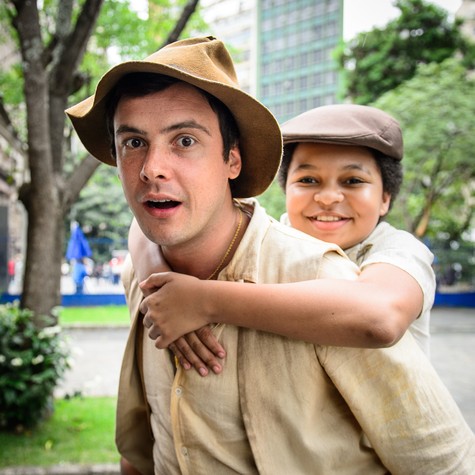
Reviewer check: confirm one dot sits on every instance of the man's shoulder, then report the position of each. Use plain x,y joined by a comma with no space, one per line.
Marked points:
280,233
293,233
291,236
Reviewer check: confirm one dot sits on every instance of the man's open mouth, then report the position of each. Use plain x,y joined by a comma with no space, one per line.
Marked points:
162,204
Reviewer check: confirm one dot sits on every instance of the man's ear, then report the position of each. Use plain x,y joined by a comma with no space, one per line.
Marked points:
234,162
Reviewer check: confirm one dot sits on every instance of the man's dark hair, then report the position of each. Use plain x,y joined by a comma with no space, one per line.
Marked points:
390,169
143,84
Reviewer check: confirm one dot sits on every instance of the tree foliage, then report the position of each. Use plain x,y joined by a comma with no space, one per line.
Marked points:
62,47
273,200
104,213
436,110
32,362
379,60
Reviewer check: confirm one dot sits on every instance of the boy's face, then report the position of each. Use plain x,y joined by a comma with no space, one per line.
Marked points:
335,192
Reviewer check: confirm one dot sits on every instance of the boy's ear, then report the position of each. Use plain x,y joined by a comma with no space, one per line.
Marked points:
385,203
234,162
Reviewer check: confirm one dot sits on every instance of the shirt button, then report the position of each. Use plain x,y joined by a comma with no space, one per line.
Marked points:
184,451
178,392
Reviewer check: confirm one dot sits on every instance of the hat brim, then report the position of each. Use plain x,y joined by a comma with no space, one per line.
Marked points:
260,136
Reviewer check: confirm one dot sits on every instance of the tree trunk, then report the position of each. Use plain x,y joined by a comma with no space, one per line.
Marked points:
41,287
423,223
186,13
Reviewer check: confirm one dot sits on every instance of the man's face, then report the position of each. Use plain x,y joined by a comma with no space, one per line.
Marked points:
335,192
170,161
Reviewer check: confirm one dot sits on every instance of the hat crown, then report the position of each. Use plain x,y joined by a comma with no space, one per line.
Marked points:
347,124
205,58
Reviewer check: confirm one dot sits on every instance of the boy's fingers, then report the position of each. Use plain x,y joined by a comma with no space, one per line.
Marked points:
189,349
206,337
179,358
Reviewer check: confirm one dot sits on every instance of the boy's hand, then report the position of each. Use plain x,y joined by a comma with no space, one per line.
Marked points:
199,350
176,315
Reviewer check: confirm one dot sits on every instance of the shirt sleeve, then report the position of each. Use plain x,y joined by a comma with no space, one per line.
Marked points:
407,413
403,250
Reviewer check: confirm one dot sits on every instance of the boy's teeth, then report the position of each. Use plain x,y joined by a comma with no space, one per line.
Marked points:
328,218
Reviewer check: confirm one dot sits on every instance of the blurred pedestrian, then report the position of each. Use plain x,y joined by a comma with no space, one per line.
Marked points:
79,275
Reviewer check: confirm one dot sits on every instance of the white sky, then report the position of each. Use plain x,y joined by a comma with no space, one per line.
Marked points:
363,15
360,15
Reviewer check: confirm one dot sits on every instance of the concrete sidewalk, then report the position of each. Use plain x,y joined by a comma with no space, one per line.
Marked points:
64,469
98,352
453,355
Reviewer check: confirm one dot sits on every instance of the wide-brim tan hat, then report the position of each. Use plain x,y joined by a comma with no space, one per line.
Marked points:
347,124
204,63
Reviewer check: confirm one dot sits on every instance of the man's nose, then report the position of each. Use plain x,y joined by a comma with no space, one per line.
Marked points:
156,164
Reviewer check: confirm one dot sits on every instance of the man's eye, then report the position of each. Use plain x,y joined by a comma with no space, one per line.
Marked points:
133,143
186,141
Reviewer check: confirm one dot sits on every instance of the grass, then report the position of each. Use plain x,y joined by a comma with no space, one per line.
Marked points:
81,430
106,315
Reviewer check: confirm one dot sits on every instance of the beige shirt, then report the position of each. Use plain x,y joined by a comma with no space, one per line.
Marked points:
283,406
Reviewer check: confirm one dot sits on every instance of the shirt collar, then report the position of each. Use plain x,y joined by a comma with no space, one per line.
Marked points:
243,265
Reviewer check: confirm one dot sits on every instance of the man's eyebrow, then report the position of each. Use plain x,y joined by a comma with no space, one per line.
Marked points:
122,129
188,124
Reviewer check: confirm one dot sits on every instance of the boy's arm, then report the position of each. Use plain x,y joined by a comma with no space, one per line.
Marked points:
146,255
371,312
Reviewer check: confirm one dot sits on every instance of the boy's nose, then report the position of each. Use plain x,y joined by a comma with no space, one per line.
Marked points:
328,196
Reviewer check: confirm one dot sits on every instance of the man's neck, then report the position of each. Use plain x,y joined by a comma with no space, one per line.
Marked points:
206,257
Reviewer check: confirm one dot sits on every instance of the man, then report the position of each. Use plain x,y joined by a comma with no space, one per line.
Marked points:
187,141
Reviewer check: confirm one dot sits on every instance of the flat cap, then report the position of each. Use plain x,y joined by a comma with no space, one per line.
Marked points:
347,124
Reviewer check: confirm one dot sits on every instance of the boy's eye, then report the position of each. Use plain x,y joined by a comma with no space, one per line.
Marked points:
354,181
307,180
186,141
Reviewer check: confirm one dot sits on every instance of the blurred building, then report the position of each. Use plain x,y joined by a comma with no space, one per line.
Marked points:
296,70
12,169
467,13
234,22
282,49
